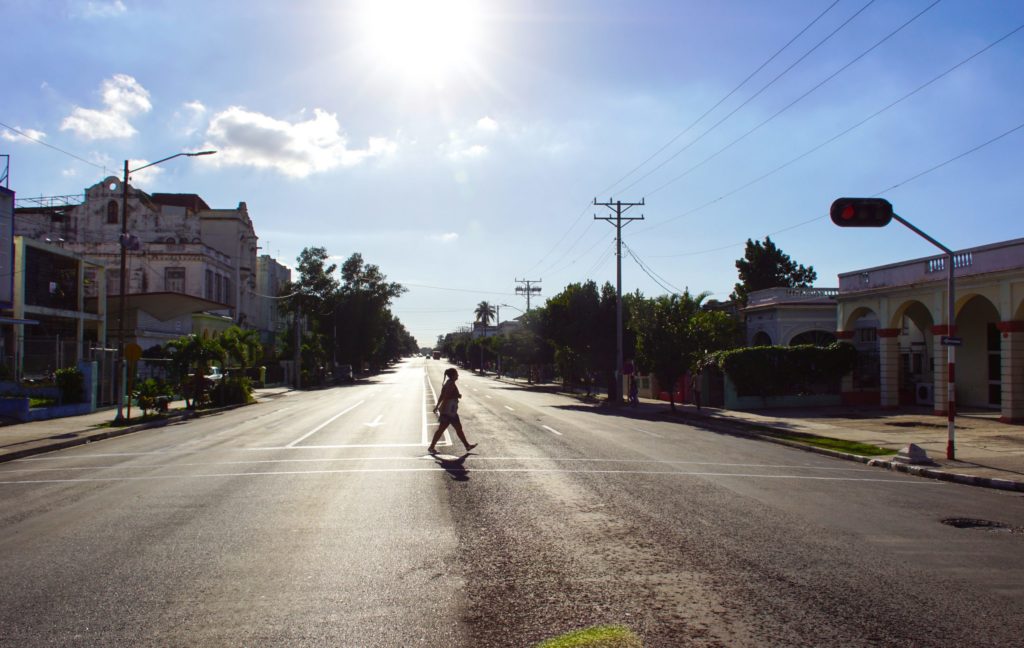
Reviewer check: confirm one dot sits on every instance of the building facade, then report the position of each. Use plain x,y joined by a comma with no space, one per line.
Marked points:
183,257
899,313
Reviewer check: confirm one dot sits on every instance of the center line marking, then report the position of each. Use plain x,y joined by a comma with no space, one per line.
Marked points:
322,425
657,436
551,429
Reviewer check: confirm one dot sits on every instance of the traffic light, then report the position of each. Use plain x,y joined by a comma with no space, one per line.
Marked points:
861,212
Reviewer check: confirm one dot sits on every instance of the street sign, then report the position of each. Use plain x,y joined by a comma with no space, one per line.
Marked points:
949,340
132,352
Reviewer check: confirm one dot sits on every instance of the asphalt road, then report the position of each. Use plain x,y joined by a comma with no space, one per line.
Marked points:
318,519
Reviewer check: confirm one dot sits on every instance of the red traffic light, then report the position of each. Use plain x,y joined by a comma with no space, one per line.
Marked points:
861,212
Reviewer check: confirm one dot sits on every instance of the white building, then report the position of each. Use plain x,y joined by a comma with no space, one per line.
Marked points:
906,307
189,259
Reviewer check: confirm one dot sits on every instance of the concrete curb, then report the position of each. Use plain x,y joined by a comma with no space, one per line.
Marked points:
759,430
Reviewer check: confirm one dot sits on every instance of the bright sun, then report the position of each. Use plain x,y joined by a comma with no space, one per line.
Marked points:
422,40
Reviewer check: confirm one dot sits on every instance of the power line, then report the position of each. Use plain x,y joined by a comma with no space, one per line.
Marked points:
692,125
841,134
59,150
879,193
658,279
794,102
752,97
731,93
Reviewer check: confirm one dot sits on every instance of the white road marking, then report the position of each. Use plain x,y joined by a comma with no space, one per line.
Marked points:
665,473
323,425
655,462
657,436
551,429
488,396
376,421
509,408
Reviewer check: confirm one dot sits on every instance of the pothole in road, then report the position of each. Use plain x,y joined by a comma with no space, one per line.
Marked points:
984,525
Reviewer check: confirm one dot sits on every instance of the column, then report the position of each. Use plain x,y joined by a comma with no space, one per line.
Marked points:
1012,376
846,386
889,367
940,376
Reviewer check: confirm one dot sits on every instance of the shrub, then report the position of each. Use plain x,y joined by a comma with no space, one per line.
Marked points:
778,370
234,390
148,393
71,383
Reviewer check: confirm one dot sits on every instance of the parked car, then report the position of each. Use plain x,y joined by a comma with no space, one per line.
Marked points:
343,373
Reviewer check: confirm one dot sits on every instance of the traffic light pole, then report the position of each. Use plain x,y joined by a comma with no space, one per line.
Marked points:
618,206
950,347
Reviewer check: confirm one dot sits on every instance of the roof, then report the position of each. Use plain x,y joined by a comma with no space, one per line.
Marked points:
192,202
162,305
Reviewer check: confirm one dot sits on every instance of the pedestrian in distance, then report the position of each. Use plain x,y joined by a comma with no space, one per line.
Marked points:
634,395
448,409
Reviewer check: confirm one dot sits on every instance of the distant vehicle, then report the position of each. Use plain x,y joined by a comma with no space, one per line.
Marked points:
343,373
215,374
437,355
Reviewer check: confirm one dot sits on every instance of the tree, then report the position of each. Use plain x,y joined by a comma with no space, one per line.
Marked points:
191,356
674,334
484,313
362,312
766,266
242,345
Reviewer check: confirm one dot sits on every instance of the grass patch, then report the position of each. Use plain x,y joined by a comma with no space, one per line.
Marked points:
852,447
596,637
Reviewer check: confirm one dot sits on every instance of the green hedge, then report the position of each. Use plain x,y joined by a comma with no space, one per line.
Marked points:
71,382
786,371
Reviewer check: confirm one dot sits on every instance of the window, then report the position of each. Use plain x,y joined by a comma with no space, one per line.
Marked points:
112,213
174,280
867,334
209,285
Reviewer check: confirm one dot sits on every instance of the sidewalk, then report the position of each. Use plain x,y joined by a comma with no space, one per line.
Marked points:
988,453
26,439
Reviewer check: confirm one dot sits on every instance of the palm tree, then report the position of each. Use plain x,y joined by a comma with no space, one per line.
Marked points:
484,313
242,345
194,353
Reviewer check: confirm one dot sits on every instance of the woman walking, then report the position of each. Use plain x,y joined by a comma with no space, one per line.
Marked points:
448,405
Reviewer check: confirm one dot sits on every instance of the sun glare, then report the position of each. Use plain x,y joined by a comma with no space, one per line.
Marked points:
421,40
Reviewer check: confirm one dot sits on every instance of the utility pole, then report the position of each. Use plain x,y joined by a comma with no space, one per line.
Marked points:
619,207
528,290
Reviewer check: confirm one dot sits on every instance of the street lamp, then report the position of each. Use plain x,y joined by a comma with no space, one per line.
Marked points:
124,272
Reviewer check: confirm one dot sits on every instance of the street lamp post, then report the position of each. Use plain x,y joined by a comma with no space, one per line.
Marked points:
124,274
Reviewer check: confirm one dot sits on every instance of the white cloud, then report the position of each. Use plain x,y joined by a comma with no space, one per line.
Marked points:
487,124
457,148
146,177
124,98
447,237
246,138
69,173
98,9
190,119
11,136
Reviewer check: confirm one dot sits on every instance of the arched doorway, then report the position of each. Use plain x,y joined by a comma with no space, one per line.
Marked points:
762,339
916,354
979,360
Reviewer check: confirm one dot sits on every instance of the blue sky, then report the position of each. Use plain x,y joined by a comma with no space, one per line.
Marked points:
459,148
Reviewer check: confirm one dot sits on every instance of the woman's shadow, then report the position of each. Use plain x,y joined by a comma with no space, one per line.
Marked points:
454,466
